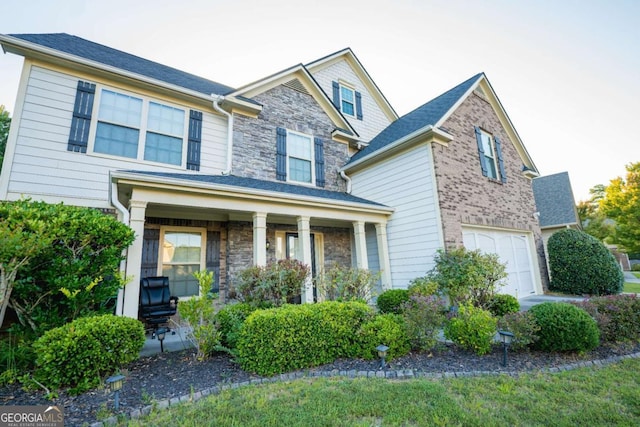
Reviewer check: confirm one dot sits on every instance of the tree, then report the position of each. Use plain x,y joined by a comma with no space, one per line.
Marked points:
593,220
621,203
5,122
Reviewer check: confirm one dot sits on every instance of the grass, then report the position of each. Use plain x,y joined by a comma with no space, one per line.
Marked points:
631,287
590,397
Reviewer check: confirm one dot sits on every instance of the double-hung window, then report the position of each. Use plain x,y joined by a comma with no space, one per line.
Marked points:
182,254
347,99
299,157
490,151
131,127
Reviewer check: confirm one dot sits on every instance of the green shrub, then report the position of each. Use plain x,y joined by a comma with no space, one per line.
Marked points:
16,357
581,264
199,314
564,327
230,319
468,276
76,274
387,329
391,301
423,318
272,285
472,329
618,317
79,354
502,304
422,286
340,283
635,267
523,326
298,336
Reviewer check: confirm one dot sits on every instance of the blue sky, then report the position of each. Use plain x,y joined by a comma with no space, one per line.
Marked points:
567,72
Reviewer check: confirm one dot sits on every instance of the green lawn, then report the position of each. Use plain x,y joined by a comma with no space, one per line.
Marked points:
632,287
589,397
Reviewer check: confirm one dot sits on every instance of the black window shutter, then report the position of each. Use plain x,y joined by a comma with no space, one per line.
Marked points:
319,154
336,94
483,166
358,105
195,140
503,175
281,154
81,121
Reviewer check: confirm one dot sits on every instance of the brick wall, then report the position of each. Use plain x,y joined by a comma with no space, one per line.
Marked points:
254,140
467,197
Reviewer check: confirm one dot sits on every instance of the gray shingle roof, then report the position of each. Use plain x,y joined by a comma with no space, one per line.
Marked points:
105,55
554,200
427,114
257,184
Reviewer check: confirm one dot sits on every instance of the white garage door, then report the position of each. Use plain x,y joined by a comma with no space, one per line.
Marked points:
513,250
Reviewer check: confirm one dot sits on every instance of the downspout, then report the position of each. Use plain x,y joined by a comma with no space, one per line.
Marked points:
216,100
346,178
113,190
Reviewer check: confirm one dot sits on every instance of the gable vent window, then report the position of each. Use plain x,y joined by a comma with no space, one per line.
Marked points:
299,158
490,152
125,125
347,100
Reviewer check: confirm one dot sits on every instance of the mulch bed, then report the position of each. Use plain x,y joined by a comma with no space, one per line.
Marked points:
174,374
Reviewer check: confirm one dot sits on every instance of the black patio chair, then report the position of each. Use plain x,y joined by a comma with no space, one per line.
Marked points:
157,304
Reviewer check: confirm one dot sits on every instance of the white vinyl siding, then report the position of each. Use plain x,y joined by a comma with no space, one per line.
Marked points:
43,168
413,231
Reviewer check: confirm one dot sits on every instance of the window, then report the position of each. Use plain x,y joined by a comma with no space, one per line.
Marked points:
490,151
131,127
299,157
347,99
182,254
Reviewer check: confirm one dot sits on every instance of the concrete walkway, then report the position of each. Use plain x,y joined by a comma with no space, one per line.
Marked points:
630,278
527,302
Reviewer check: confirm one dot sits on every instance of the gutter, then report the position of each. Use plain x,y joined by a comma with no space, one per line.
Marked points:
113,195
346,178
216,106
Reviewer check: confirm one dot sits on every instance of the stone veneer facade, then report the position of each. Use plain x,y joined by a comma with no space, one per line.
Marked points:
468,198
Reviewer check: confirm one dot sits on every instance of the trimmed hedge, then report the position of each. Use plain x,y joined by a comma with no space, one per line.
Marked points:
581,264
230,319
502,304
391,301
564,327
473,329
79,354
299,336
387,329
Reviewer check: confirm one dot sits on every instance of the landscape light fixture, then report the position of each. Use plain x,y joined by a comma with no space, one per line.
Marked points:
506,338
115,384
268,244
382,354
161,333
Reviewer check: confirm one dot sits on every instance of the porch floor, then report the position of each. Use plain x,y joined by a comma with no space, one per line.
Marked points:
171,342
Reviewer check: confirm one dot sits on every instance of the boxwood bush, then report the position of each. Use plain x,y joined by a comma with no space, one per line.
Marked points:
502,304
298,336
391,301
472,329
564,327
79,354
230,319
581,264
387,329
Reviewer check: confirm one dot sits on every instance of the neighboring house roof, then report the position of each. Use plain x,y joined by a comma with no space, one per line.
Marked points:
89,50
260,185
425,115
554,200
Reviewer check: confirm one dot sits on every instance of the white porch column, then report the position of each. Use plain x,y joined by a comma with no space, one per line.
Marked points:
137,210
383,256
260,238
304,255
361,245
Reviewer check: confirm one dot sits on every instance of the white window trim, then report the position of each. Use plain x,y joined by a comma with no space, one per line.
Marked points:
494,156
353,91
203,249
142,129
313,159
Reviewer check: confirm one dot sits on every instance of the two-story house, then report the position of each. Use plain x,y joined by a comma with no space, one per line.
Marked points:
311,163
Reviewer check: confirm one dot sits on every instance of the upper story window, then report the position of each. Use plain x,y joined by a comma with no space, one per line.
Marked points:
347,99
490,151
299,158
129,126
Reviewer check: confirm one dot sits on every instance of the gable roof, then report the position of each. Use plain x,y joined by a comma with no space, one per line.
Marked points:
347,55
97,53
423,116
257,185
555,201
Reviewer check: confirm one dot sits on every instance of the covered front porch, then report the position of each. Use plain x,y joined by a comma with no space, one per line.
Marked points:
226,224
